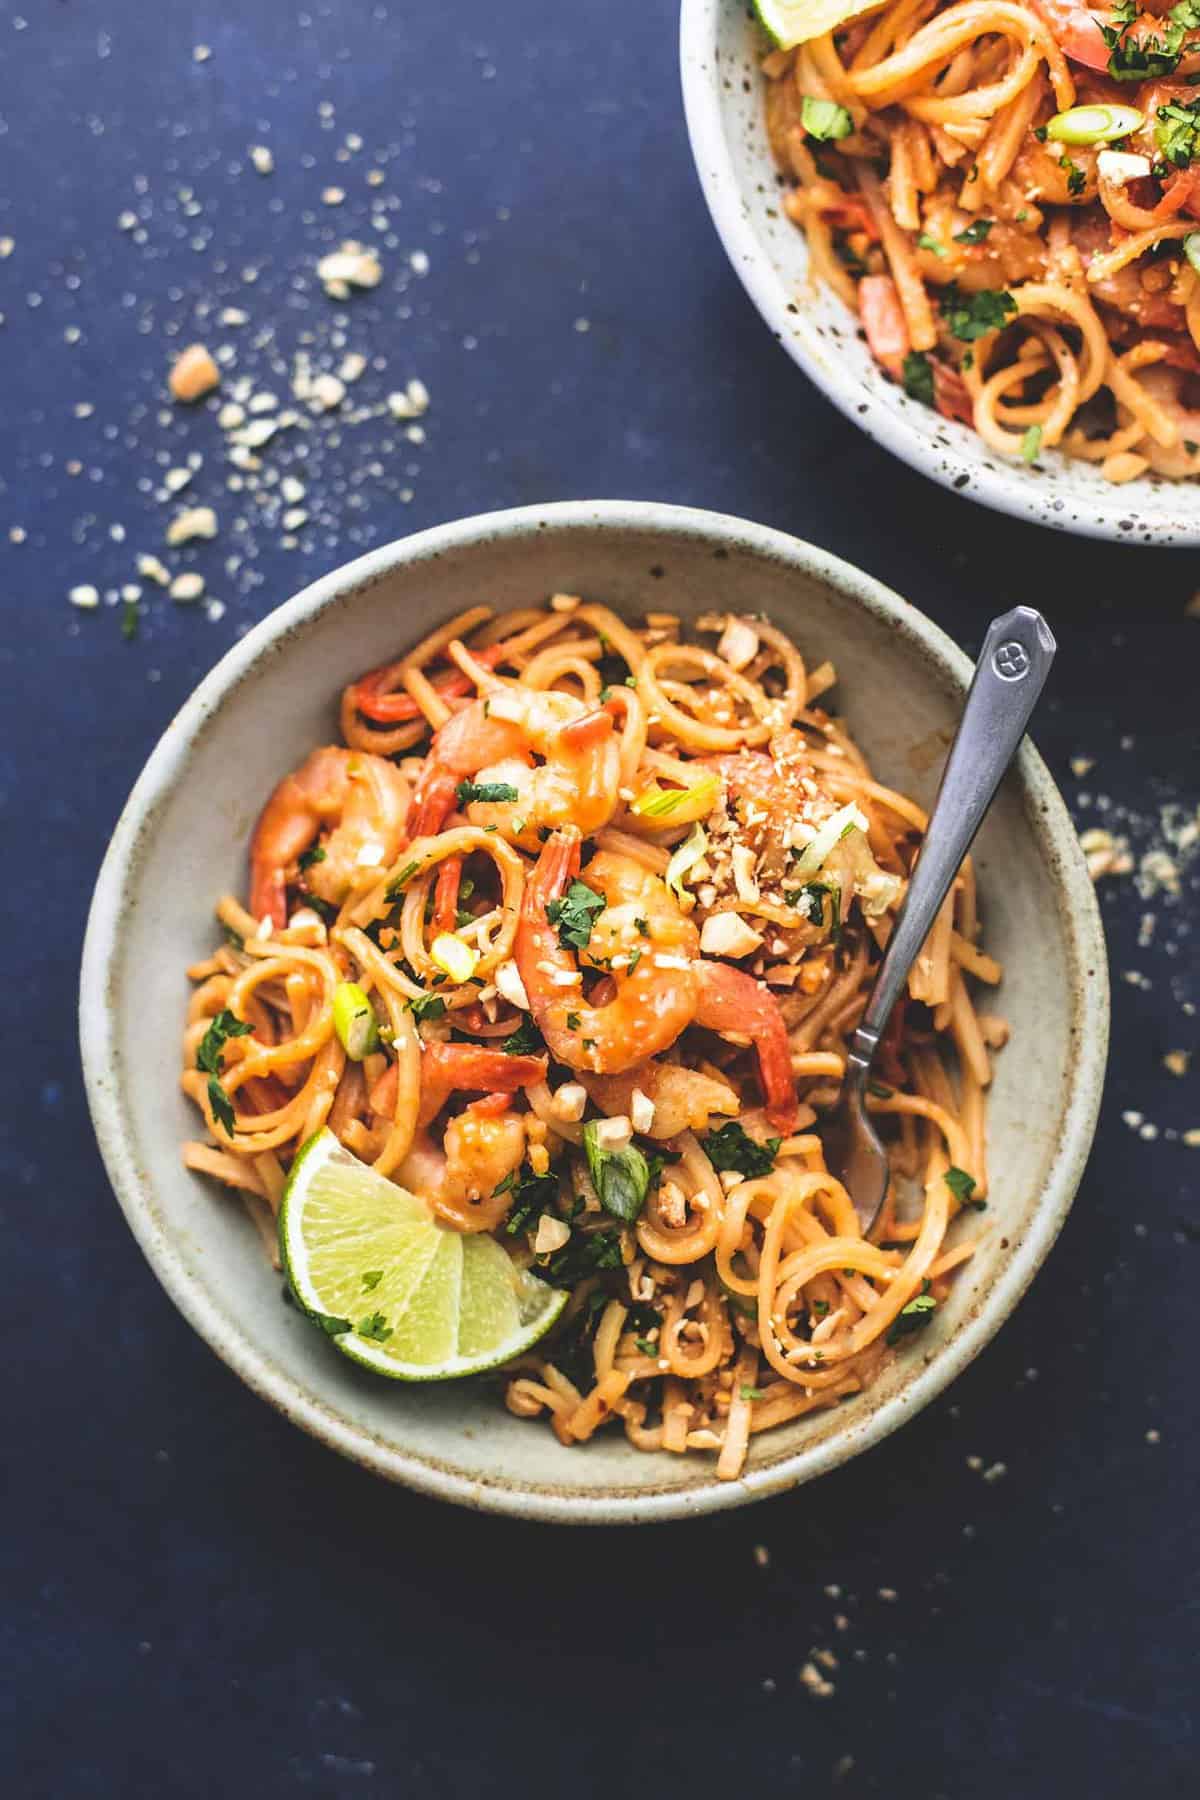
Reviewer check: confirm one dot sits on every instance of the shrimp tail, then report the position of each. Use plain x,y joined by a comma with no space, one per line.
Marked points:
731,1000
445,894
447,1068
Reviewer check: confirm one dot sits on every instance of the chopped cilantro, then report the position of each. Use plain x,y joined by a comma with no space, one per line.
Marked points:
575,914
572,1021
222,1026
916,376
489,792
971,316
426,1006
1177,132
642,926
913,1317
1143,58
646,1347
635,957
375,1328
130,619
962,1186
925,242
526,1040
750,1393
371,1279
1031,444
731,1148
1076,178
307,858
532,1195
880,1092
975,232
329,1323
586,1254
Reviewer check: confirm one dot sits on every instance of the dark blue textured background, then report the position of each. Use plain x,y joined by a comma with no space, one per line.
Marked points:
196,1598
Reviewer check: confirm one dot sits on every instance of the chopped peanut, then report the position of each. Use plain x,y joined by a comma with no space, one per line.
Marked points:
193,374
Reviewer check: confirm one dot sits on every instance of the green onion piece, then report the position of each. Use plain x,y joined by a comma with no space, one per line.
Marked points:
685,857
1094,124
679,805
1031,444
825,118
1191,249
846,818
354,1021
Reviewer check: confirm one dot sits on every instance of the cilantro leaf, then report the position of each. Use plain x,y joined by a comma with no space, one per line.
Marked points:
731,1148
329,1323
587,1253
490,792
221,1026
1177,132
971,316
426,1006
916,375
307,858
749,1393
532,1195
975,232
376,1328
925,242
1143,58
1031,444
913,1317
526,1040
575,914
371,1279
962,1186
621,1178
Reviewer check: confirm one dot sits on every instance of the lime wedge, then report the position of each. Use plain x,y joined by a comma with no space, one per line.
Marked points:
792,22
395,1290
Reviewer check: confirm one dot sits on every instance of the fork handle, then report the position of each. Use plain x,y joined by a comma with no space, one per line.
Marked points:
1009,676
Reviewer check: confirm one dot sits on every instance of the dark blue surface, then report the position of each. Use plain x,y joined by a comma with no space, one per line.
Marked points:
198,1599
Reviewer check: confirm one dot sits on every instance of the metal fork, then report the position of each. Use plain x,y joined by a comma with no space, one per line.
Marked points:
1009,676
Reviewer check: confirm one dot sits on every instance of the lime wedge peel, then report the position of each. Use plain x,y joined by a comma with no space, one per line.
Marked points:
395,1290
791,22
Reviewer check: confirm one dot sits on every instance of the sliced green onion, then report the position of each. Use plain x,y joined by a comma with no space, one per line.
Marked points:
1191,249
824,118
679,805
354,1021
684,857
846,818
1031,444
1094,124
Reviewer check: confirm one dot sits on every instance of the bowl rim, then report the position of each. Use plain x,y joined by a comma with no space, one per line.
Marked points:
1133,514
166,766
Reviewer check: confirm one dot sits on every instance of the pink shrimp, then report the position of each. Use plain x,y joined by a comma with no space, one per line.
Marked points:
481,1148
641,940
1125,290
731,1000
556,753
459,1068
360,797
884,323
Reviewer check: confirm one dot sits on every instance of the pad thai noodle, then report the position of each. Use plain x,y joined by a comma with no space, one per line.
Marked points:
1007,193
614,894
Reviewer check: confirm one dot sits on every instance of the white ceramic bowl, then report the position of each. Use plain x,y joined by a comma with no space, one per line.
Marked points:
721,46
181,841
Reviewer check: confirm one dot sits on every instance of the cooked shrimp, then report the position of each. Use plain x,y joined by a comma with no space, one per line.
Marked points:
363,798
641,940
683,1099
732,1001
459,1068
481,1149
559,755
1076,30
1125,290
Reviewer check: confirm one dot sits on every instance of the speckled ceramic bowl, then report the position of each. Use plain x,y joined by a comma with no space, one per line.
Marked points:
722,46
181,841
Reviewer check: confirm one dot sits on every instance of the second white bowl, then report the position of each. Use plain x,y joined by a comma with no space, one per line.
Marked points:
721,47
